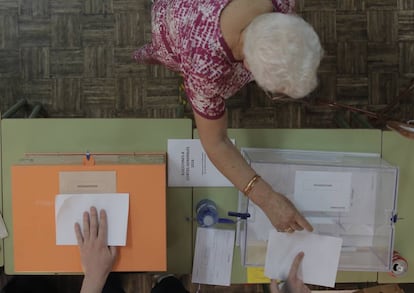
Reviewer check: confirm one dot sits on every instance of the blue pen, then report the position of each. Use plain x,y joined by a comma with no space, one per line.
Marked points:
226,221
243,216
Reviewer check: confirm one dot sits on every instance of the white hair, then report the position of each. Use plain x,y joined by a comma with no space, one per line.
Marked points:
283,53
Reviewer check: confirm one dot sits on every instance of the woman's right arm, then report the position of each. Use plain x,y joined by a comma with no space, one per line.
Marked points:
229,161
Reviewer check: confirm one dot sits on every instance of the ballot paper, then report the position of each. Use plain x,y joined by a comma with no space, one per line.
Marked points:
69,209
188,165
213,256
319,265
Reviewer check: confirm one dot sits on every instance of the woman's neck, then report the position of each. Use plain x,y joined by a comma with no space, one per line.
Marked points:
237,50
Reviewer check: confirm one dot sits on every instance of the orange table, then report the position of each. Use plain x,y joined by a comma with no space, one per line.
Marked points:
34,188
22,136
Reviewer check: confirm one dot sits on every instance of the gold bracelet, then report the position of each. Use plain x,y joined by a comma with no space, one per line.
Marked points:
250,185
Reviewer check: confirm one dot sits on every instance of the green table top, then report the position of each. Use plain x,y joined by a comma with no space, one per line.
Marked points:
398,150
19,136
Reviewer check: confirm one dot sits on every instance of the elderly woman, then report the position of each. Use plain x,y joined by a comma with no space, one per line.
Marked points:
218,46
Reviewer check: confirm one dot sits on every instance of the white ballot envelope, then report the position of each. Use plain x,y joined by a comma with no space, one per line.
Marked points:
69,209
319,265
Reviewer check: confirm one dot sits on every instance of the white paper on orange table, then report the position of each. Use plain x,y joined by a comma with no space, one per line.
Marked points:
319,265
69,209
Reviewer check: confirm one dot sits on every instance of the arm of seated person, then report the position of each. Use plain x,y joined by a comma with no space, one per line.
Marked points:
96,257
229,161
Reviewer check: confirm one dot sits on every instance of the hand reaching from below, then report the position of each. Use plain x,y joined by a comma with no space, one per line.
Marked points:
293,284
97,258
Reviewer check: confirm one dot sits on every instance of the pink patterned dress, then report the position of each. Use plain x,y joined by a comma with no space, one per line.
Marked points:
186,37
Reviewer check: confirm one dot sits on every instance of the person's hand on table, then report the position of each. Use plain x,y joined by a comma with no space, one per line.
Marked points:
293,283
96,257
283,214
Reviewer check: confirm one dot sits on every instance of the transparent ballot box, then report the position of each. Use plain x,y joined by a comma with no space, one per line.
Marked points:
347,195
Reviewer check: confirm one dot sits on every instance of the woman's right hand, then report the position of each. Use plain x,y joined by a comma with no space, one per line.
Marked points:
228,159
283,214
293,284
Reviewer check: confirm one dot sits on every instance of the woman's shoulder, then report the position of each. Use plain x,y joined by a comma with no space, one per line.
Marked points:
202,40
202,18
216,81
